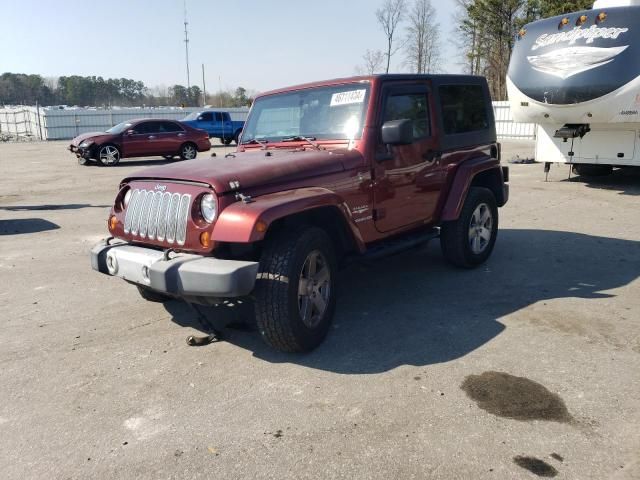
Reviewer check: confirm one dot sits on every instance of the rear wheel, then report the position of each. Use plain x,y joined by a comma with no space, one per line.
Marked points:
188,151
468,241
227,141
295,290
152,295
108,155
589,170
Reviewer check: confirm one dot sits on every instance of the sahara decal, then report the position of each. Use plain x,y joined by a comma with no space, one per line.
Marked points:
570,61
578,33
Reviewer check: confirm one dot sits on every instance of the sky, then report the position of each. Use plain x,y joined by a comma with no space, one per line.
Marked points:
257,44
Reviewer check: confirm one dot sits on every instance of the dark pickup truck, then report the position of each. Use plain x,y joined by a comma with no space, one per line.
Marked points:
325,173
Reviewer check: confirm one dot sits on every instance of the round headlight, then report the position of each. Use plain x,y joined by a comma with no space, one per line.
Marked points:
127,197
208,208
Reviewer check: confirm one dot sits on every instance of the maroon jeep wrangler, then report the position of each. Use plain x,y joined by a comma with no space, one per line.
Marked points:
324,172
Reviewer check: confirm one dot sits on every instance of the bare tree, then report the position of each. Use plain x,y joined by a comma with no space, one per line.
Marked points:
389,17
423,38
373,62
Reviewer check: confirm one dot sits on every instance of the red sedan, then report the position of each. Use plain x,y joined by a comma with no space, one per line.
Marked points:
140,138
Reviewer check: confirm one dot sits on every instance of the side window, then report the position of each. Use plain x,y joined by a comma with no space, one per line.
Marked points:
170,127
412,106
207,117
218,116
141,128
464,108
153,127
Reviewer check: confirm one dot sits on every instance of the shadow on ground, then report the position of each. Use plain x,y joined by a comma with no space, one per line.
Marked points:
67,206
26,225
625,181
414,309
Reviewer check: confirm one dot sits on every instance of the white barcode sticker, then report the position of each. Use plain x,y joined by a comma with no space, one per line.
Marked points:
346,98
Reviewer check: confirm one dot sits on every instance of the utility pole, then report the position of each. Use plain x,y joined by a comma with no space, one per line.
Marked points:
204,88
186,43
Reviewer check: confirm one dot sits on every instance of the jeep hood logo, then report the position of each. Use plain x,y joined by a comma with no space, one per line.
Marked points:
161,188
570,61
578,33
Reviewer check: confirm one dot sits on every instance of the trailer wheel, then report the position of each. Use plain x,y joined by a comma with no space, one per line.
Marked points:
295,289
468,241
589,170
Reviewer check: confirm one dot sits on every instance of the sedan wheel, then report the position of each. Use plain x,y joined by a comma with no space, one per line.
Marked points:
188,152
109,156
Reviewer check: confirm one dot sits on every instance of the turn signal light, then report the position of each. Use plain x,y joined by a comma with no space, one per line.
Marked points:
522,33
261,227
205,239
113,222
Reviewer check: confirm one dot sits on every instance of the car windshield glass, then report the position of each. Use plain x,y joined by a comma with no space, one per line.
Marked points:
119,128
192,116
322,113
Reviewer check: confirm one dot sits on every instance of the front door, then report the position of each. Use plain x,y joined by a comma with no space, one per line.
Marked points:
408,178
135,140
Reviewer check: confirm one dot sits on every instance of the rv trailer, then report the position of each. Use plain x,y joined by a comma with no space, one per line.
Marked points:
578,77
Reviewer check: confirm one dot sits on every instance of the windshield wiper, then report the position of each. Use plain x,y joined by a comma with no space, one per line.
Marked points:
262,143
300,138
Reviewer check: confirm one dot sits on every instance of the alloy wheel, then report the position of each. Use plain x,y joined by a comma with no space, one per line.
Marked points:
480,228
314,287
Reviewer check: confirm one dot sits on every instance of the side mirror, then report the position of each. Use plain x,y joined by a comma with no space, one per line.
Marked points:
200,119
131,132
397,132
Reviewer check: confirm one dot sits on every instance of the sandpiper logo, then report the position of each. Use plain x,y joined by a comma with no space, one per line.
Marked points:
578,33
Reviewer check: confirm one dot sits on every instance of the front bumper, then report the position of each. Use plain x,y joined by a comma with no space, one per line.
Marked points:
80,152
182,276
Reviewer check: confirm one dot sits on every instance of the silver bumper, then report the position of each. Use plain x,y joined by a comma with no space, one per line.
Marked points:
181,276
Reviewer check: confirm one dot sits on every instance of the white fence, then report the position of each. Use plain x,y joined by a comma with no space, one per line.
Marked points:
56,124
507,128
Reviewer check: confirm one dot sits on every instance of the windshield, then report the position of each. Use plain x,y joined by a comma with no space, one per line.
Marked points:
119,128
322,113
192,116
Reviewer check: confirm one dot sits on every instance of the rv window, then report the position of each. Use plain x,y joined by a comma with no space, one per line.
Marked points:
463,108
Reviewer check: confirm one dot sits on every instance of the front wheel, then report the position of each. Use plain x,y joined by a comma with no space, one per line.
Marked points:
295,289
188,151
468,241
109,155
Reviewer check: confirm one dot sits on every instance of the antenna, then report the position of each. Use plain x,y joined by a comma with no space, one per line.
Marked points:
186,43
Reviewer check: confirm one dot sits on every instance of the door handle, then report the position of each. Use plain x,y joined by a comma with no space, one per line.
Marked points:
151,137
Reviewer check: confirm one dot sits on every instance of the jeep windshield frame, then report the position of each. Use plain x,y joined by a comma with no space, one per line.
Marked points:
335,112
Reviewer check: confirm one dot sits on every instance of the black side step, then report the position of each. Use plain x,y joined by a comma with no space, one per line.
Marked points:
399,244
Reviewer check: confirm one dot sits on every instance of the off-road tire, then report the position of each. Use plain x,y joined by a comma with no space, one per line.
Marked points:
454,235
588,170
276,293
185,149
152,295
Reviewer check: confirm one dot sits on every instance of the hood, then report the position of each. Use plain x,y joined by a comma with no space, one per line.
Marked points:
80,138
256,167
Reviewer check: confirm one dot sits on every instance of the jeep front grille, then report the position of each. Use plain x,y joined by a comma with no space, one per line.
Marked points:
158,216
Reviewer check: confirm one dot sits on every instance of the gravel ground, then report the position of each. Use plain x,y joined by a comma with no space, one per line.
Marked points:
525,367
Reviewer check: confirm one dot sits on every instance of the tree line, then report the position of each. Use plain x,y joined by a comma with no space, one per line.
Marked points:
23,89
488,29
410,27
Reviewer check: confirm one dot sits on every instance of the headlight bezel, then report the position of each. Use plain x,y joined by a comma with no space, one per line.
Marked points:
86,143
208,207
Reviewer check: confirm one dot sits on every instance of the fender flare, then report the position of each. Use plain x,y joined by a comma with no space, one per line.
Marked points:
464,176
249,222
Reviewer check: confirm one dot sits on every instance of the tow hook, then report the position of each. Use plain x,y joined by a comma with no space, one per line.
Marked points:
213,336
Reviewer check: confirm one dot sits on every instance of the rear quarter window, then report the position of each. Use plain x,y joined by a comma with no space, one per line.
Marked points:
464,109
